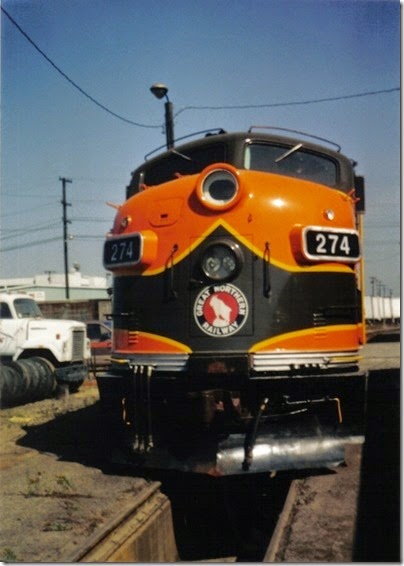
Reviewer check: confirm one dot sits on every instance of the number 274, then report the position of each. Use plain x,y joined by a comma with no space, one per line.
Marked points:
332,244
121,251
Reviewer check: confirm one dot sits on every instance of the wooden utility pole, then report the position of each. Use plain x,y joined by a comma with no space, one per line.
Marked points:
65,234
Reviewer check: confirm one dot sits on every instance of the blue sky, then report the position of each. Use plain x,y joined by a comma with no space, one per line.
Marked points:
216,53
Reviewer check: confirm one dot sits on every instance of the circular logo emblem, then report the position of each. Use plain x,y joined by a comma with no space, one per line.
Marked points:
220,310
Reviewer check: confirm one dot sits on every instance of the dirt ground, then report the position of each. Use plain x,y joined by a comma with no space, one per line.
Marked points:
53,493
320,524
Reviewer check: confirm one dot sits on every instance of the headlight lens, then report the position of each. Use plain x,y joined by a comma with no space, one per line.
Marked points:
222,261
218,186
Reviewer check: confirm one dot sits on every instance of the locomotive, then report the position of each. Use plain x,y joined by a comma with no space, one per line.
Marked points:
236,306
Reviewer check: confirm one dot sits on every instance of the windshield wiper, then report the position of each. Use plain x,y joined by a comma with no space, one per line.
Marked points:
180,154
289,152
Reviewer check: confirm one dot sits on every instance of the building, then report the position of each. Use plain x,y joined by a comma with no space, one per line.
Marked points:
382,309
51,286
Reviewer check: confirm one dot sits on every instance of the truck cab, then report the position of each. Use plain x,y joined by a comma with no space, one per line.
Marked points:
25,333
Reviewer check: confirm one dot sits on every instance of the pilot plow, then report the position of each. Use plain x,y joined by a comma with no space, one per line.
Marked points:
251,429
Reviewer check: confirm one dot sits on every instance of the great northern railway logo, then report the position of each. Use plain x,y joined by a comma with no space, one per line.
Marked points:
220,310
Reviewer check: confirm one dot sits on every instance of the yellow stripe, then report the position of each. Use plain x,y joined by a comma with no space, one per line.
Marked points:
166,340
248,244
270,342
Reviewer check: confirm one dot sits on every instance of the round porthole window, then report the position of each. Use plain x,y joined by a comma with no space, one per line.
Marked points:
219,186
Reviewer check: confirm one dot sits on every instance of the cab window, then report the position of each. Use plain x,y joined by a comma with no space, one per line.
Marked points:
5,311
191,162
27,308
292,162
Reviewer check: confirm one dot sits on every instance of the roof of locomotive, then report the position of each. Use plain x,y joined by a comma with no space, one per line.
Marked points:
234,143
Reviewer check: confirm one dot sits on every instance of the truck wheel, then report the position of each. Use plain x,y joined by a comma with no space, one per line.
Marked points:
46,374
16,384
9,384
26,381
41,372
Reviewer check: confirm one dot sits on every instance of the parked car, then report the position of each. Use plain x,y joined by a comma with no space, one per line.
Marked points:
100,335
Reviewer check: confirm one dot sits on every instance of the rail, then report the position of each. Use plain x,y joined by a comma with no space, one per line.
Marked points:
383,329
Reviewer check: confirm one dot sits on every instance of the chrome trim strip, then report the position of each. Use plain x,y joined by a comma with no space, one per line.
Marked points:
286,361
159,362
259,362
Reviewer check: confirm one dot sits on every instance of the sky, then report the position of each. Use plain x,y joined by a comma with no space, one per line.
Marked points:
81,108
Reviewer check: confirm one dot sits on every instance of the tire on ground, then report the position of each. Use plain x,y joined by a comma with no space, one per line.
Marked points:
25,381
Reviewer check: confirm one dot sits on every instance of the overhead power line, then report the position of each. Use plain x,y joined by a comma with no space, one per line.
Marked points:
30,210
229,107
59,70
292,103
89,219
30,244
88,237
18,232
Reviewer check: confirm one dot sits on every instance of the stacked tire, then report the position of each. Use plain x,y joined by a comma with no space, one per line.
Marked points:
26,381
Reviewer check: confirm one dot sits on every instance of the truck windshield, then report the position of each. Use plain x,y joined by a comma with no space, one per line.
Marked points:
27,308
293,162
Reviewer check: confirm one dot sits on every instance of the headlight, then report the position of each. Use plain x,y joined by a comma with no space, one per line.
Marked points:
218,186
222,261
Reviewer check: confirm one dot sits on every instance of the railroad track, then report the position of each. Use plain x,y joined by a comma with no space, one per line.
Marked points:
234,519
192,519
233,516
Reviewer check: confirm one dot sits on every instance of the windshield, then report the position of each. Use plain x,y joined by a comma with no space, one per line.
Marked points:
27,308
166,168
292,161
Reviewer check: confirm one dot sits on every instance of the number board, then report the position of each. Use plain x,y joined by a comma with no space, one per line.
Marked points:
322,244
122,251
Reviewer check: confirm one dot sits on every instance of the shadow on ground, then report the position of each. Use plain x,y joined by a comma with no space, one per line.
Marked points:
74,437
379,521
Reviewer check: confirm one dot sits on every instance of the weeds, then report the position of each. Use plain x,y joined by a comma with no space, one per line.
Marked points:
57,527
8,555
64,482
39,487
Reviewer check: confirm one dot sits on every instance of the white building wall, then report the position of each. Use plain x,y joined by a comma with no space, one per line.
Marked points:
382,308
52,286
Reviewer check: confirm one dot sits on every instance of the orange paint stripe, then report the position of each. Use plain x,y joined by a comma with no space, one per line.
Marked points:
145,342
344,336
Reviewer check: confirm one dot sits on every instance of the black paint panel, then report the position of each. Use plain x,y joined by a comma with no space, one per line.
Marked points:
163,304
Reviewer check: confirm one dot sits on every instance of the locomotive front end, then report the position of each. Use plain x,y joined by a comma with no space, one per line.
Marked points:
237,310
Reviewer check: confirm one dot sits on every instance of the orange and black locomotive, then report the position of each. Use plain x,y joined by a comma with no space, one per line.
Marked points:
237,318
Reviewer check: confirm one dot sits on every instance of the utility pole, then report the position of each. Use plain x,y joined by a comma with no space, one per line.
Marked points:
65,234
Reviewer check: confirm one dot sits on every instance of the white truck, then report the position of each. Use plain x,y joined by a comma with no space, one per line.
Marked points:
60,345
